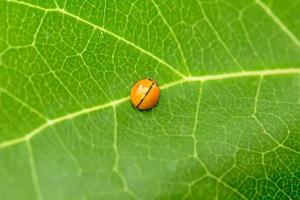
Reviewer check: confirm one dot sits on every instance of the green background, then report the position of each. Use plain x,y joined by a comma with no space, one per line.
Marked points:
227,125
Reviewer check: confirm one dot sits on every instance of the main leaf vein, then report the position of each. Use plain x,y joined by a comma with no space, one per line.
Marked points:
57,120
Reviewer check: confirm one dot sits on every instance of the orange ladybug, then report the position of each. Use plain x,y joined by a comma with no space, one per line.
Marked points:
145,94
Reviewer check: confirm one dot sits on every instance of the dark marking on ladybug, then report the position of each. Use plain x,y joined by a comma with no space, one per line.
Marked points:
145,94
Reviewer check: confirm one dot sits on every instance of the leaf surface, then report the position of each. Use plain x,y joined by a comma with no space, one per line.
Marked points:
227,125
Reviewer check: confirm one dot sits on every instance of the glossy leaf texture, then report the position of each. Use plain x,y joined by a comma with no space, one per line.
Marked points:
227,125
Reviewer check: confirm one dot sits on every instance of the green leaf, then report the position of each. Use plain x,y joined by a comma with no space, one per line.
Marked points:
227,125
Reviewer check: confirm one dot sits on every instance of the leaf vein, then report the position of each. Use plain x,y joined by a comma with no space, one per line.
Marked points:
23,103
124,99
282,26
64,12
173,34
35,181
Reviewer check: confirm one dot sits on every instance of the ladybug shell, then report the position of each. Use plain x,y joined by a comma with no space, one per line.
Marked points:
145,94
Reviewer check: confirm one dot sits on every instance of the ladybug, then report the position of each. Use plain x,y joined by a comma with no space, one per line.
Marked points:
145,94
